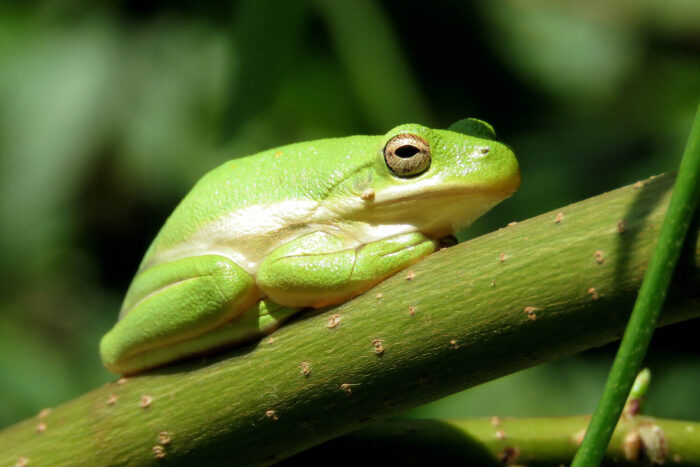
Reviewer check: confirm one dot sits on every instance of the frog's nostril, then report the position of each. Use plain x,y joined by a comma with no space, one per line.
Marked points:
484,151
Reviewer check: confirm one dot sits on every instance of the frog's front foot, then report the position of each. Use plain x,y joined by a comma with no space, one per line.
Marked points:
321,269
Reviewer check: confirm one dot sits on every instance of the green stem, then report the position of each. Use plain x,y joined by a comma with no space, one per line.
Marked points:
498,441
537,291
646,310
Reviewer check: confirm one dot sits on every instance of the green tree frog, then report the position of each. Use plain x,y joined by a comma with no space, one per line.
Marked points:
305,225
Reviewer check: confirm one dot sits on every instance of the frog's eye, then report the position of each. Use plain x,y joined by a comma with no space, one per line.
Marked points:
407,155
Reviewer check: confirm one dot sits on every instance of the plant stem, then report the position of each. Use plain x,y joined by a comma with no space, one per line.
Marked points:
533,292
647,307
498,441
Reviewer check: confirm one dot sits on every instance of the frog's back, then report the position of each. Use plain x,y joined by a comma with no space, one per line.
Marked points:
258,194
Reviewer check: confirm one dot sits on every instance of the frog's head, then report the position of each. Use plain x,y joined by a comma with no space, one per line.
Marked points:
439,181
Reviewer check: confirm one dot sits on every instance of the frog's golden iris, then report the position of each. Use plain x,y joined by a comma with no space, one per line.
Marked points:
407,155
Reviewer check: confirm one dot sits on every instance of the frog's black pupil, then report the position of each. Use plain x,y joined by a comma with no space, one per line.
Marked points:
406,151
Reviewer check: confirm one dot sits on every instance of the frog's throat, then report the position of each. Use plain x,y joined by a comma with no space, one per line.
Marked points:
437,211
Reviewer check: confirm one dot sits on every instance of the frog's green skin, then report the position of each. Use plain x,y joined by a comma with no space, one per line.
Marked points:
305,225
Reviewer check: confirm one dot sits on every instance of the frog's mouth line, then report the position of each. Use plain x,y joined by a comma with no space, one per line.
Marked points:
496,192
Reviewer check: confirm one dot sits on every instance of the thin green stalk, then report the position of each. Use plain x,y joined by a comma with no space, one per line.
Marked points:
646,310
498,441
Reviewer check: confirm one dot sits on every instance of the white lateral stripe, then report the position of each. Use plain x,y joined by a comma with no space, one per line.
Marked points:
247,235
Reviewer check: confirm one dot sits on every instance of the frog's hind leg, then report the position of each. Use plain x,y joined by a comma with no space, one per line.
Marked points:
176,303
261,318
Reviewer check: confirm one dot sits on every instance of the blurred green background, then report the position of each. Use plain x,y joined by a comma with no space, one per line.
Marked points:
110,111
